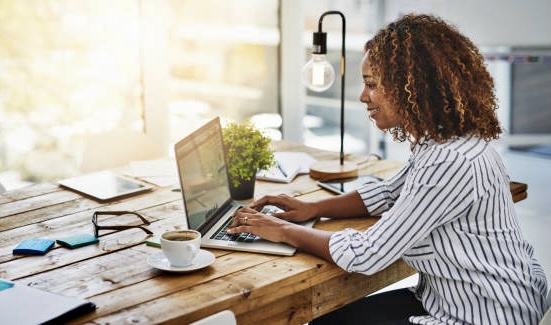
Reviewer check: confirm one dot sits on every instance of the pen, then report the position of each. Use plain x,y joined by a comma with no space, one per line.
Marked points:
281,170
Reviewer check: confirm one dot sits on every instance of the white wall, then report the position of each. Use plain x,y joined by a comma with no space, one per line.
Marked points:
487,22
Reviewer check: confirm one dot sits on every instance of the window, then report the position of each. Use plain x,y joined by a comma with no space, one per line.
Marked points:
223,61
73,69
69,69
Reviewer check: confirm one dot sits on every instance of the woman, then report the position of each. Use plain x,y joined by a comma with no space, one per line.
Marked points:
448,213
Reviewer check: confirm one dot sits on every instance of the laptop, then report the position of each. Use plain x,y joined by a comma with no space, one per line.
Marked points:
206,193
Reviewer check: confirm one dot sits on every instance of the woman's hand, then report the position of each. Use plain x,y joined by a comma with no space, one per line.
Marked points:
268,227
275,229
294,210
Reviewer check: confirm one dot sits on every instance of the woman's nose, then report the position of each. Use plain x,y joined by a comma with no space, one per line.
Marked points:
364,97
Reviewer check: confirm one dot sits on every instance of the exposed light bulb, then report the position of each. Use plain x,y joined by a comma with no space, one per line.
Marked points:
318,74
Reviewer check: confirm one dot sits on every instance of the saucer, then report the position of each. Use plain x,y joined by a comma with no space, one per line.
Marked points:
203,259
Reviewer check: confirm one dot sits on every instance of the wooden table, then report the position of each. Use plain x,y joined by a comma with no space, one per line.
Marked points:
114,274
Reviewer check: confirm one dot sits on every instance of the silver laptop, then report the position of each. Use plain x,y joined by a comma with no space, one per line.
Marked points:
206,193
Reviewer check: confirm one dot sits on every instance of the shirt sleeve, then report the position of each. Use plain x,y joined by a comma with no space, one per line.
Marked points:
378,197
411,205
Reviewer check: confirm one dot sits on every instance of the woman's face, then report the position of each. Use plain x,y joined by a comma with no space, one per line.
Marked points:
379,107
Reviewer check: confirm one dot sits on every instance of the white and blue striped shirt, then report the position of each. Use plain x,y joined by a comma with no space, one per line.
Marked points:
449,214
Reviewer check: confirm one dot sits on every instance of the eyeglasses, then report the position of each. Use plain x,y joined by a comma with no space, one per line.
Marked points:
118,227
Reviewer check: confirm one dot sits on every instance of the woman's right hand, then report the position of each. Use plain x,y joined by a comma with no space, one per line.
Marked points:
294,210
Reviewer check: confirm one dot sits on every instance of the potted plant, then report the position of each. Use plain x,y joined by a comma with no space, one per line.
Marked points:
247,150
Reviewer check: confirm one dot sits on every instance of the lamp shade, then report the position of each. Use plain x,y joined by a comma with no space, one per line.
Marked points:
318,74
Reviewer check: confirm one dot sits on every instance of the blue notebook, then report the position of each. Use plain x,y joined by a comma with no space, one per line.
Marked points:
34,246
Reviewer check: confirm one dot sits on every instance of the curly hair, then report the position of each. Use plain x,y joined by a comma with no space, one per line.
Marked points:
436,79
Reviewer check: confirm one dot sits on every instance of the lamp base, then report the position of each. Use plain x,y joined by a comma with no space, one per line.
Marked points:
332,169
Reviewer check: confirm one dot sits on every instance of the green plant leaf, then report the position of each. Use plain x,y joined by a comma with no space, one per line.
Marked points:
247,150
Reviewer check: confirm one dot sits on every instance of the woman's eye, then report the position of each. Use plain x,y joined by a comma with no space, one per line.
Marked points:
370,85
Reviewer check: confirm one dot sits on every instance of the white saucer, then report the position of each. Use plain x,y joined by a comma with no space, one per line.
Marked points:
159,261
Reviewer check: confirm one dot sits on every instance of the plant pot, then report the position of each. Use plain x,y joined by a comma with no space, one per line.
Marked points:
244,191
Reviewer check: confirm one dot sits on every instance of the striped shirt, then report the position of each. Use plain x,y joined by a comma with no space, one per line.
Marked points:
449,214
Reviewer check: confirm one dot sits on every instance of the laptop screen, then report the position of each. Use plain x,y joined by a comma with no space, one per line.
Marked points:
202,171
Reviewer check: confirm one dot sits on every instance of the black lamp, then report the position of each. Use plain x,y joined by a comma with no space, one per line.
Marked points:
318,75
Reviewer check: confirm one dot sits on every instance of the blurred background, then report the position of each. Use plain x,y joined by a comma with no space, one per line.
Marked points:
72,71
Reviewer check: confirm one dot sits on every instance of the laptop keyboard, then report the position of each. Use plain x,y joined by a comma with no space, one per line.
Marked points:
245,237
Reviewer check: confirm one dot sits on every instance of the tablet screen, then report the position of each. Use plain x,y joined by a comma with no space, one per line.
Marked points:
341,186
104,185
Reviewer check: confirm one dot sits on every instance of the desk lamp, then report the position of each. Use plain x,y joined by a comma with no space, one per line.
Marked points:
318,75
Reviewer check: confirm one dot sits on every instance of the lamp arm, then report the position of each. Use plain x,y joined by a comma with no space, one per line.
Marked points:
343,67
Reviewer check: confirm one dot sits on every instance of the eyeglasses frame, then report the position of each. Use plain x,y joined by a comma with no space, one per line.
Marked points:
97,227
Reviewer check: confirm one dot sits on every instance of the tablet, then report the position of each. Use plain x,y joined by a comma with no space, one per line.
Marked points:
104,185
345,185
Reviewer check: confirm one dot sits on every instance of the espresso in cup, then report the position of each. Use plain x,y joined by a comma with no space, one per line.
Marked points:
181,246
181,235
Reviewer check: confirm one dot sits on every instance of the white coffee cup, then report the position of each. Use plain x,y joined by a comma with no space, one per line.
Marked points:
181,246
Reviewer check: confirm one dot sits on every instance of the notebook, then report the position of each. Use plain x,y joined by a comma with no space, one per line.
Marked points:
206,194
288,165
281,172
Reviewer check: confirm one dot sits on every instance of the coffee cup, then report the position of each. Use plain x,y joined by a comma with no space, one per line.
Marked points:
181,246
